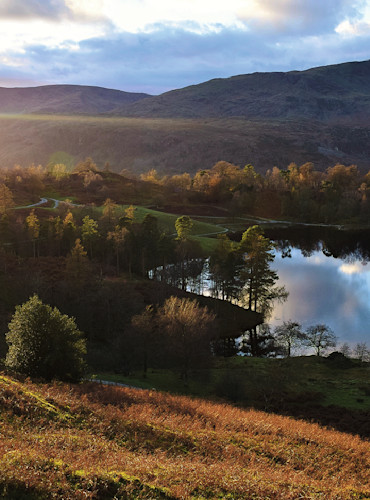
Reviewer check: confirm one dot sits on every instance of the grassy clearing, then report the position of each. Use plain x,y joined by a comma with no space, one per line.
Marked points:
255,379
167,221
125,443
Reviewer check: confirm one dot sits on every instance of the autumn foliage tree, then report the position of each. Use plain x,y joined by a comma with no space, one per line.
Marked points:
188,328
6,199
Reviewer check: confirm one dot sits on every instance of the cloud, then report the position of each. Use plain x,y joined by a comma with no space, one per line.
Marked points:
173,54
27,9
300,17
164,59
174,57
53,10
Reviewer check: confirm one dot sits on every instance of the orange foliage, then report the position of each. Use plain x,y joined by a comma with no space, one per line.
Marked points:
92,441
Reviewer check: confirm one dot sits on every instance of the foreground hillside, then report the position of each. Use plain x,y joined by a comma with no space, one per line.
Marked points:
89,441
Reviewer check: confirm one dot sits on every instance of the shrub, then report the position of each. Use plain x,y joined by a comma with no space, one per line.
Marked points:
45,343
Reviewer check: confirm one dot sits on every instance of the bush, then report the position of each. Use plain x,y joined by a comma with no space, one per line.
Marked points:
338,360
45,343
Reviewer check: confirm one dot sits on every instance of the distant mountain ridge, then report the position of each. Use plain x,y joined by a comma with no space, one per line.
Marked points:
323,93
340,91
65,99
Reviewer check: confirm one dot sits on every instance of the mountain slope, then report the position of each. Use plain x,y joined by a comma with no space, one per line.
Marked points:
65,99
91,441
320,115
178,145
324,93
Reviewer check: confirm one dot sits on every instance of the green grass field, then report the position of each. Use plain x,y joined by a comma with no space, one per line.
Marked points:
251,380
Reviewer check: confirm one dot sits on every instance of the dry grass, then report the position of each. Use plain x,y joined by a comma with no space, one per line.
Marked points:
89,441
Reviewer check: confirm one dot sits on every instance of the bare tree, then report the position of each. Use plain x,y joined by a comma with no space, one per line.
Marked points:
320,337
345,350
289,335
361,352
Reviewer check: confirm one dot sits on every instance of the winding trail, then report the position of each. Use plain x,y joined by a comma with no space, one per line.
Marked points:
43,201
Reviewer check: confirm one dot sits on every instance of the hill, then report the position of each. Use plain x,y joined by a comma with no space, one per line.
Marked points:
326,93
64,99
178,145
88,441
319,115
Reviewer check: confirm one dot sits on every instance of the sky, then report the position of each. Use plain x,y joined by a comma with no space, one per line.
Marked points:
154,46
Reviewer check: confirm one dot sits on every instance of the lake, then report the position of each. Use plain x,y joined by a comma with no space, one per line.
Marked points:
326,271
325,289
327,274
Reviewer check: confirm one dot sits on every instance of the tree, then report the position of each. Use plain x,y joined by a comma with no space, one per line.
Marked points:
189,329
320,337
89,231
361,352
144,326
289,335
260,342
119,237
59,171
109,210
256,252
33,226
223,269
183,227
78,266
345,349
6,199
130,213
69,229
45,343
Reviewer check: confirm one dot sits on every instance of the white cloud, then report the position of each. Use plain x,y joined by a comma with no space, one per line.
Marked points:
157,45
348,28
301,17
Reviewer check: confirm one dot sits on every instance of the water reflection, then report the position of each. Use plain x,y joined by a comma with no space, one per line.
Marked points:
326,289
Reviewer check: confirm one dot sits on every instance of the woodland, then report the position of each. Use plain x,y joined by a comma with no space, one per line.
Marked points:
123,256
101,278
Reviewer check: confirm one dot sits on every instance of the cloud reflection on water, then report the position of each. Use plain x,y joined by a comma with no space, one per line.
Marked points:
325,290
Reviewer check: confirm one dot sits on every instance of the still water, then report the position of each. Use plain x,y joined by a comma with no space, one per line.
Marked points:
326,285
326,271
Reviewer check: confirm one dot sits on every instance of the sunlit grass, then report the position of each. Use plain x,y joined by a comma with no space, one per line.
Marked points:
126,443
